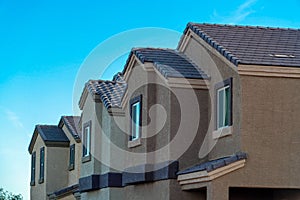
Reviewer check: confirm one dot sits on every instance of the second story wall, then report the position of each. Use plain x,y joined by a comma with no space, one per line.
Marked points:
56,168
73,173
38,190
270,129
226,141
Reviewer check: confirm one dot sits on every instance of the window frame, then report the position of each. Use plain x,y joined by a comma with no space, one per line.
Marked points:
219,87
42,165
72,157
134,101
86,156
33,169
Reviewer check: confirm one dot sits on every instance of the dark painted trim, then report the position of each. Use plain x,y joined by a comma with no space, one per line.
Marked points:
89,183
72,157
132,101
164,173
96,181
42,168
113,179
227,82
110,179
67,190
33,168
56,144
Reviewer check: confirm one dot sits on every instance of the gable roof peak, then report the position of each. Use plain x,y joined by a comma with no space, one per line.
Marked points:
251,45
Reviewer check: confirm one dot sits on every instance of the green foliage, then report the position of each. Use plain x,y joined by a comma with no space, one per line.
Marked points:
5,195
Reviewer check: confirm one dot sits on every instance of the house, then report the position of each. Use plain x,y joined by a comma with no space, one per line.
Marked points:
216,118
55,159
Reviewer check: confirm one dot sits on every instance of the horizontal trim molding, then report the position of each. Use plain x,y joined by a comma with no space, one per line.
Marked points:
164,173
97,181
111,179
269,71
195,178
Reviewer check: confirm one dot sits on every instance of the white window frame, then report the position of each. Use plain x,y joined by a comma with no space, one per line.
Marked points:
224,106
86,141
135,122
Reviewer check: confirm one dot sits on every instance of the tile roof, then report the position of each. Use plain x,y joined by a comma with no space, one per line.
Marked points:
214,164
169,62
252,44
110,92
72,123
50,134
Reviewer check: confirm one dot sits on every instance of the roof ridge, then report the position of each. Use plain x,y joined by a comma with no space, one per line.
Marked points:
245,26
151,48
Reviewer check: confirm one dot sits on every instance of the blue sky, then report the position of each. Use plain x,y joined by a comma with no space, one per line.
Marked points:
44,43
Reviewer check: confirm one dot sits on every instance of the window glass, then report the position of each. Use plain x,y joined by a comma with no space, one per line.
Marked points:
223,106
42,164
33,161
135,126
72,157
86,141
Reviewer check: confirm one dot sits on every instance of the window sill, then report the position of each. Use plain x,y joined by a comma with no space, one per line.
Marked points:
134,143
41,180
86,158
222,132
71,167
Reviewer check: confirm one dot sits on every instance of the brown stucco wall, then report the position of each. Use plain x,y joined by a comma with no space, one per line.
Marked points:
219,69
270,130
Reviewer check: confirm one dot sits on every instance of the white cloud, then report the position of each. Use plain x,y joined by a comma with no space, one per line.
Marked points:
237,16
11,116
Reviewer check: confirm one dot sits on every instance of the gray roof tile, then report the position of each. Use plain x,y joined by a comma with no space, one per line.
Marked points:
110,92
252,44
169,62
51,133
214,164
72,123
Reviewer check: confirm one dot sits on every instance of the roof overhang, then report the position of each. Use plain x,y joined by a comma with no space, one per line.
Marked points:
62,122
193,180
269,71
84,96
48,143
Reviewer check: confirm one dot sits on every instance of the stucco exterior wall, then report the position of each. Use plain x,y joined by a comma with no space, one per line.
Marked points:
89,115
219,69
73,175
38,191
270,130
56,168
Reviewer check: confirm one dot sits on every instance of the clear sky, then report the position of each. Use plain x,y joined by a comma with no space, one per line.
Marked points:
44,43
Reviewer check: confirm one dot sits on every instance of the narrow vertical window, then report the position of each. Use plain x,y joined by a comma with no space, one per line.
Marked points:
33,161
135,113
72,157
42,164
224,105
86,149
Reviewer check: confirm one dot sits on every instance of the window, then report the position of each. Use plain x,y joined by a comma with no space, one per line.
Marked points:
223,104
135,113
32,179
86,149
72,157
42,164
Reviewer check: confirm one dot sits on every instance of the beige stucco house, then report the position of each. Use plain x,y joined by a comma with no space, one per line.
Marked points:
55,160
215,119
